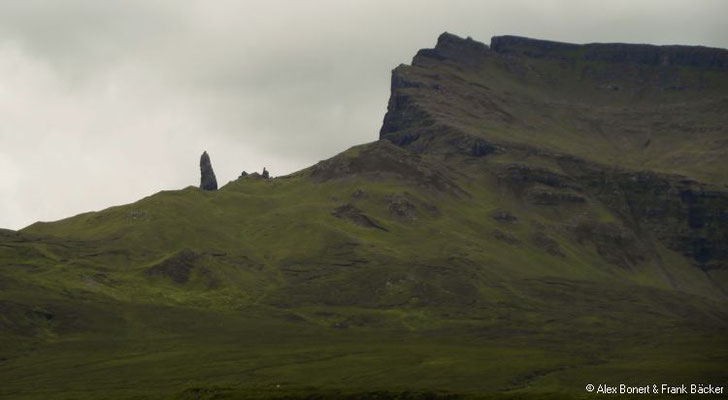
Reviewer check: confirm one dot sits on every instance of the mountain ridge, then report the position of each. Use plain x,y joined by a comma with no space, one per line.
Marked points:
492,220
635,123
663,55
414,120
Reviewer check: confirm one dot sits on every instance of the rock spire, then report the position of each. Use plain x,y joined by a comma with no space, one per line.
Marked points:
207,175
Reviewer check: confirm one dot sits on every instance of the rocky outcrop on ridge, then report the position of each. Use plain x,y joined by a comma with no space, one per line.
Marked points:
207,175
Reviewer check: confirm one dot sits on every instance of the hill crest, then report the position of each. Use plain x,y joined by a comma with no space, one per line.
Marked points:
452,46
661,108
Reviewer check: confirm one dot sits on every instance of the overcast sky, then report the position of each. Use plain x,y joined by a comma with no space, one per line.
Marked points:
103,103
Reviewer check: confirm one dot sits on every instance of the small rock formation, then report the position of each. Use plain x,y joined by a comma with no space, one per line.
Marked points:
177,267
402,209
543,242
552,198
355,215
244,174
265,174
207,175
503,216
505,237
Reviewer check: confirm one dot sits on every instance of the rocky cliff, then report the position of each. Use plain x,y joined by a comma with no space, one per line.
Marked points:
639,129
643,54
662,108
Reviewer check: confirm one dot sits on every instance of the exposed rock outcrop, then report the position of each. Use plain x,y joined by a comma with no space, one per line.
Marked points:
503,216
382,160
402,209
545,243
177,267
686,216
207,175
357,216
454,48
466,100
505,237
690,56
465,97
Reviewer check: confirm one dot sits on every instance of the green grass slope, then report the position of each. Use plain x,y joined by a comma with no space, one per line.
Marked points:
381,273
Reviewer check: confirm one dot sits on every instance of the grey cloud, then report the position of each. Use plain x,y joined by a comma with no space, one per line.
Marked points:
126,95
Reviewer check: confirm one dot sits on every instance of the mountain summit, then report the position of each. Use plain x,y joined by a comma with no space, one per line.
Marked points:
535,216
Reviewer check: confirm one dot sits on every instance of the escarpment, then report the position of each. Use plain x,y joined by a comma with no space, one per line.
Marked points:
639,129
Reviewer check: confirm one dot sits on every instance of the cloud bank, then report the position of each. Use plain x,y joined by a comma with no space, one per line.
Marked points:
102,103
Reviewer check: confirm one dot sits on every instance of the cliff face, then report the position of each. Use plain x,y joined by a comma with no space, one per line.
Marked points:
662,108
639,129
644,54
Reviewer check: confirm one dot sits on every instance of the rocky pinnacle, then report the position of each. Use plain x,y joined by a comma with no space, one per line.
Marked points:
207,175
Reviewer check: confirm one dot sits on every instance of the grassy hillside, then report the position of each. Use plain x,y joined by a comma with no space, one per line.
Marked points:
452,266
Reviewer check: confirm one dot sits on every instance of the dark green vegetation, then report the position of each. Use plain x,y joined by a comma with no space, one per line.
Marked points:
536,218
